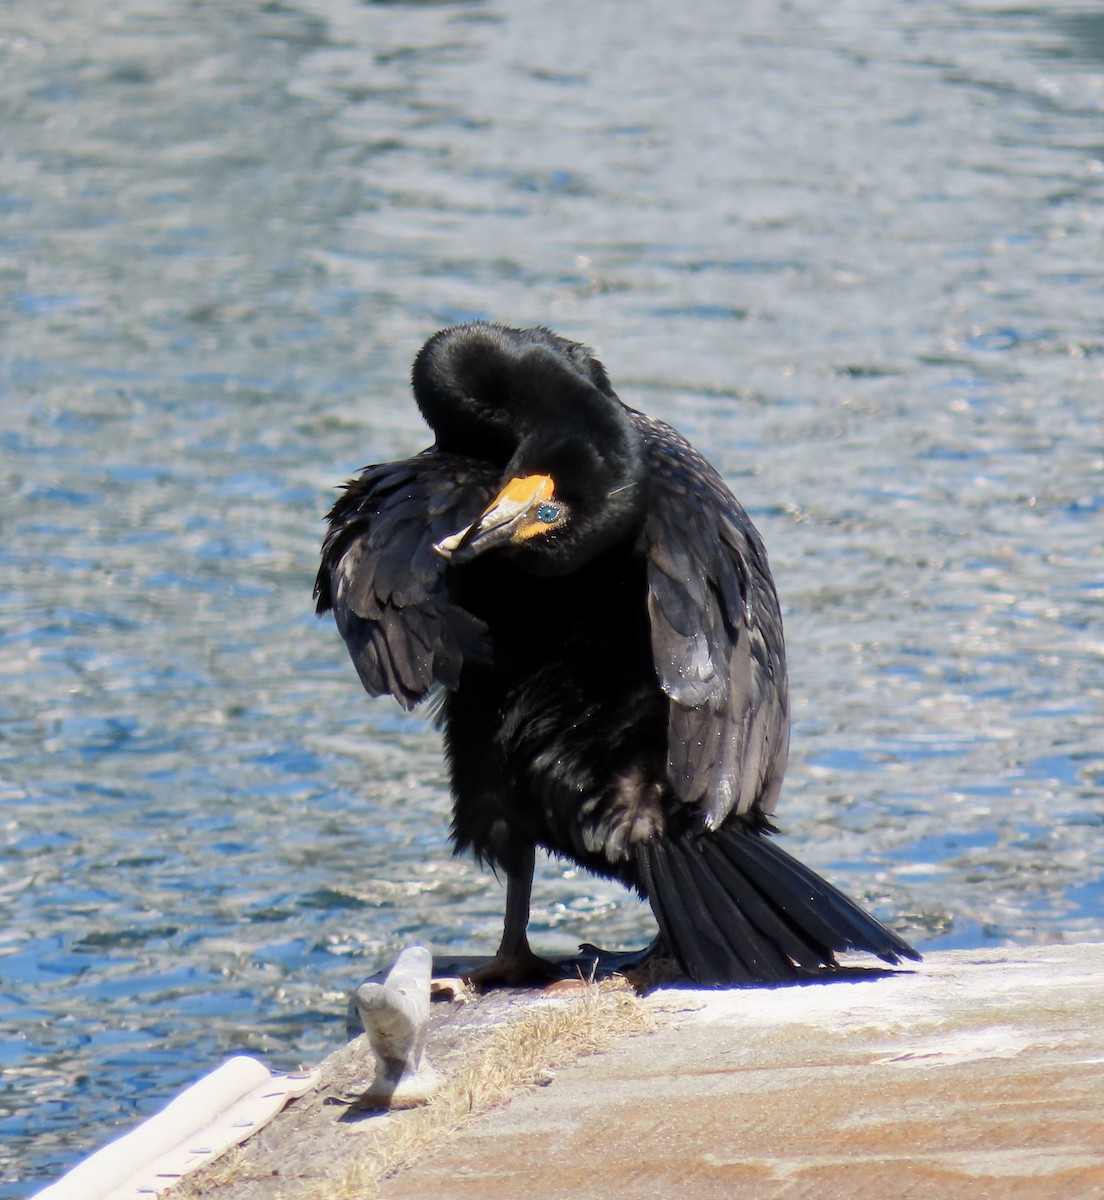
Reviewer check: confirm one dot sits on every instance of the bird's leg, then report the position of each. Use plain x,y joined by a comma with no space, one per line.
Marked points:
515,963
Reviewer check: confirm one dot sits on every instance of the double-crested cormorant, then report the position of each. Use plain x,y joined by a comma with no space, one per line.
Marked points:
598,610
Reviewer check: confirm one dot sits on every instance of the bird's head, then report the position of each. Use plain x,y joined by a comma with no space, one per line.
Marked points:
525,508
553,518
573,481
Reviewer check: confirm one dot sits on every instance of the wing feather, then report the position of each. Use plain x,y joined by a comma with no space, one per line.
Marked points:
386,585
716,636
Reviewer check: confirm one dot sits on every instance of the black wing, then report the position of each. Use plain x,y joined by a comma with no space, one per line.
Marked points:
386,584
716,636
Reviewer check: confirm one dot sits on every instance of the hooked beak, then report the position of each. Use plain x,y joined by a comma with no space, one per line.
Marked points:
501,522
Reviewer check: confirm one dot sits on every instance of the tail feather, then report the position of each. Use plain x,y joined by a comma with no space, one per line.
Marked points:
792,889
765,957
795,944
849,926
733,908
683,917
725,928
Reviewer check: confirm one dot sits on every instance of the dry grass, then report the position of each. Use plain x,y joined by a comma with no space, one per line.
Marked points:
224,1172
520,1054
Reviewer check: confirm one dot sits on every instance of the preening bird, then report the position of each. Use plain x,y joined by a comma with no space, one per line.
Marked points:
597,610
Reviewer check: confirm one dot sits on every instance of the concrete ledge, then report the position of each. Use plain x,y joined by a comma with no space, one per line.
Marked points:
327,1146
975,1074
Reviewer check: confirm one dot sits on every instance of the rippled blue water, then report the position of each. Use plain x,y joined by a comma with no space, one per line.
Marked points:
853,250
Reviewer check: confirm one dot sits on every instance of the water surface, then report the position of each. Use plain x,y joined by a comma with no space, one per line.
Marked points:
854,253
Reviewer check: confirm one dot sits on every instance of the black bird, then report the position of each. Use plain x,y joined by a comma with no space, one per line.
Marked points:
598,611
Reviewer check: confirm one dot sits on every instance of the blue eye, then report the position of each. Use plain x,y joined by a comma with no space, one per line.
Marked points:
548,514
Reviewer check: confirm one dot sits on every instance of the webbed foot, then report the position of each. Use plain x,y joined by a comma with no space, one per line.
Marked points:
516,968
644,969
593,960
